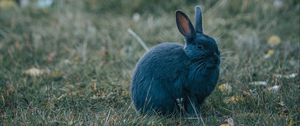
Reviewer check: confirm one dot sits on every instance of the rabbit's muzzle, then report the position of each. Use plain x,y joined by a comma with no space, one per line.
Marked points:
213,60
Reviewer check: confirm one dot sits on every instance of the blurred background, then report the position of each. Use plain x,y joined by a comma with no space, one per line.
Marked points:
62,59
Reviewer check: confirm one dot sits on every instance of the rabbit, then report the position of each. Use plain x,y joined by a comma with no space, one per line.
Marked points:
172,78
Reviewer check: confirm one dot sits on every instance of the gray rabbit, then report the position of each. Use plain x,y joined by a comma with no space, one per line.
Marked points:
173,78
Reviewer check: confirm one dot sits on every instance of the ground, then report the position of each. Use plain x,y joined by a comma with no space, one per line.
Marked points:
71,63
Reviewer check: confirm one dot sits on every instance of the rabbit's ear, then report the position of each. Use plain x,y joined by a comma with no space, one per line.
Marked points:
184,25
198,20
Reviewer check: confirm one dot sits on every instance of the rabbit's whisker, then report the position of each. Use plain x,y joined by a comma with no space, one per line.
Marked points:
199,67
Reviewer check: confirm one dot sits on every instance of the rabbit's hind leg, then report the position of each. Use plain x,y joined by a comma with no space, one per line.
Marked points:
154,99
162,102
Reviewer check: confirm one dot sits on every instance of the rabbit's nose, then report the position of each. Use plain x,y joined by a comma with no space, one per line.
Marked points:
216,58
216,54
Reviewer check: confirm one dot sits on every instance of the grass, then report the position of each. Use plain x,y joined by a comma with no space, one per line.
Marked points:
88,56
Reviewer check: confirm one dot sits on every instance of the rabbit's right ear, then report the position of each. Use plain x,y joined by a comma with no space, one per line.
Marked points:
198,20
184,25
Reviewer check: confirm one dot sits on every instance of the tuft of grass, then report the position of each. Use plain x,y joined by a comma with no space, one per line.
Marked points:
88,56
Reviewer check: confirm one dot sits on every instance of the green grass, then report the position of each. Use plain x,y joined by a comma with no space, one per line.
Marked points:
84,44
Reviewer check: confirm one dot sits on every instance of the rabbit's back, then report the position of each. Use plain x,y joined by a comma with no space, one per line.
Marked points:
158,77
161,59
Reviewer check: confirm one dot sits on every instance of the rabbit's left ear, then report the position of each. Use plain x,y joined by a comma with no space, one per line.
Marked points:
184,25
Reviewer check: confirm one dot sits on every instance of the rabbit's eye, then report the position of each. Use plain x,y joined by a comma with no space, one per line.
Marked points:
200,47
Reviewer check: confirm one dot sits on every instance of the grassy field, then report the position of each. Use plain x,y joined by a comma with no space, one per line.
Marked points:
71,63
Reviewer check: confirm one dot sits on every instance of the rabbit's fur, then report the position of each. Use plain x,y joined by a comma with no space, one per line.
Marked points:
172,78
